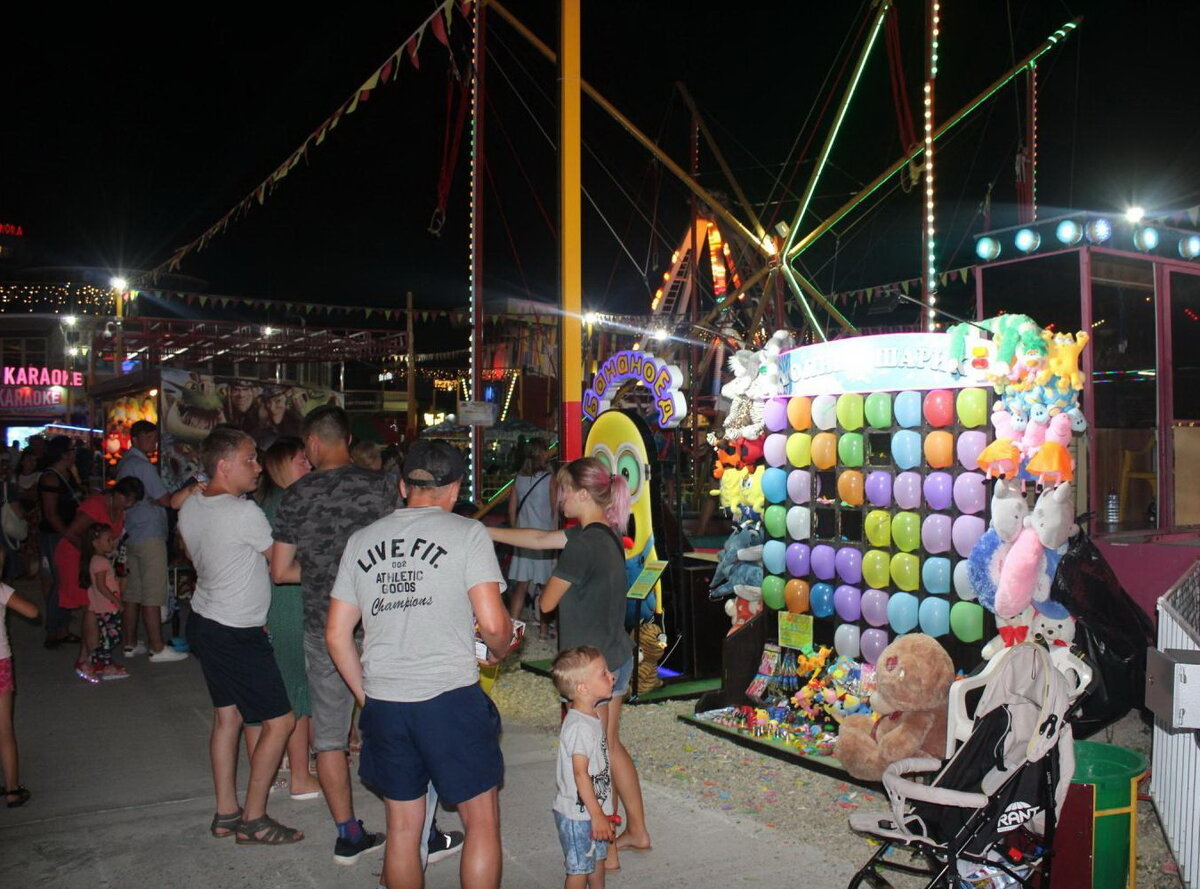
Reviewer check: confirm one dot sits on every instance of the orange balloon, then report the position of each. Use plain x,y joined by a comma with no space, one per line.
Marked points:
850,487
824,450
939,449
799,413
795,595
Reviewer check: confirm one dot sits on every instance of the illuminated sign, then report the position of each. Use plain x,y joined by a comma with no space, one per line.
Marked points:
659,377
27,397
41,376
7,228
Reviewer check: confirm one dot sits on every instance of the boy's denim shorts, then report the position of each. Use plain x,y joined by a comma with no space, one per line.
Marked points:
579,849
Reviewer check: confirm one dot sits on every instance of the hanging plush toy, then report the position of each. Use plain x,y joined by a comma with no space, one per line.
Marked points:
1002,457
1053,464
1028,570
740,562
1009,512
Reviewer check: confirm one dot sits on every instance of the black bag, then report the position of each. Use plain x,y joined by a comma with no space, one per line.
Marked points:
1112,633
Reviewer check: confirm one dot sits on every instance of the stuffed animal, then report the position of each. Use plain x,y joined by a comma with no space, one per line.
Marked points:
1009,511
746,604
1052,632
912,683
1030,566
752,502
1002,457
1062,360
652,644
1053,464
740,562
770,381
1010,631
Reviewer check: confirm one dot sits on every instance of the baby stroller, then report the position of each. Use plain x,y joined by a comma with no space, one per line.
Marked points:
987,819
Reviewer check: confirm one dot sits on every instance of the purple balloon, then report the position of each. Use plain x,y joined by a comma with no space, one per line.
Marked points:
907,490
849,566
970,445
796,558
967,531
935,533
823,561
874,607
846,601
938,489
878,487
970,494
799,486
871,644
775,449
775,414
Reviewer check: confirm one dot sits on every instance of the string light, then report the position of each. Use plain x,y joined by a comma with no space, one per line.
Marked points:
935,8
1033,139
477,12
76,299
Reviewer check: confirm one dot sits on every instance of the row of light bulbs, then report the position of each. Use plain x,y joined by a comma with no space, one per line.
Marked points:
1097,231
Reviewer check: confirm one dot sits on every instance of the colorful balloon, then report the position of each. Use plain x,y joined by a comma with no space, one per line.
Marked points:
824,450
906,571
795,595
850,411
799,413
799,485
878,488
972,407
938,487
963,588
935,617
872,643
797,559
935,533
967,531
850,449
874,607
848,563
966,620
823,561
799,522
907,490
902,612
907,408
846,640
939,407
820,599
775,520
969,446
772,592
773,556
878,410
906,448
939,449
774,484
935,575
970,493
775,449
824,411
906,530
799,449
850,487
775,414
876,568
847,601
878,525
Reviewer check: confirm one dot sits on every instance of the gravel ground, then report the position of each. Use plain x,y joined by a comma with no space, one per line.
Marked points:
775,793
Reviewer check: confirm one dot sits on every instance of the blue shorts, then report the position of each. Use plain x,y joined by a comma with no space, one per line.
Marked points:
239,667
621,677
579,849
451,741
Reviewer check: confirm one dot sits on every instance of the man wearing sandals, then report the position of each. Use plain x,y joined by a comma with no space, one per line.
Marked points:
229,541
420,580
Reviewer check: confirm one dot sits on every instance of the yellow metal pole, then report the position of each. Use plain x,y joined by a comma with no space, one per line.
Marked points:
570,350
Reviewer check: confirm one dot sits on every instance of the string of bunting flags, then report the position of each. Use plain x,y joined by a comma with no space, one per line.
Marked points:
438,23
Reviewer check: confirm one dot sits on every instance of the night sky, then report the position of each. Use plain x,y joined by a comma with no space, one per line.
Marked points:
125,136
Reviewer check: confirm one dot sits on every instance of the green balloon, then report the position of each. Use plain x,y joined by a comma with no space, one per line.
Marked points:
775,520
850,411
878,526
906,530
879,410
906,571
875,568
772,591
972,407
799,449
850,449
966,621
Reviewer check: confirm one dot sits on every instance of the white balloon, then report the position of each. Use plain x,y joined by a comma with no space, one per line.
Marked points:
799,523
824,411
962,581
845,641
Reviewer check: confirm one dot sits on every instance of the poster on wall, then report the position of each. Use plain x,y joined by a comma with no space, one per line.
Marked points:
194,403
119,415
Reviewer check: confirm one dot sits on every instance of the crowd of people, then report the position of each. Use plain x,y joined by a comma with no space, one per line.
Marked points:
327,585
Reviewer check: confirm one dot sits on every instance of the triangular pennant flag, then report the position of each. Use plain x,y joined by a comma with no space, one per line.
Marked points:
904,287
964,273
204,300
465,8
1193,215
448,12
439,30
414,44
353,103
385,73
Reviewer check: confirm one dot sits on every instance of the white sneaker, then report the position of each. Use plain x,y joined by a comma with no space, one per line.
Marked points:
167,655
140,648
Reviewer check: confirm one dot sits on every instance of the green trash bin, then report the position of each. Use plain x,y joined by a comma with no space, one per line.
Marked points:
1114,773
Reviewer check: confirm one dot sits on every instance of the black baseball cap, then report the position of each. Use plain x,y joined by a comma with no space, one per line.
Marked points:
433,463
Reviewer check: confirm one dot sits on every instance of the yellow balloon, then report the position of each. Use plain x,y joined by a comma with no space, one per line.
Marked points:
906,571
824,450
875,568
799,412
799,449
878,526
795,595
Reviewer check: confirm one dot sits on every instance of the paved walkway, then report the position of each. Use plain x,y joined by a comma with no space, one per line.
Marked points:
122,798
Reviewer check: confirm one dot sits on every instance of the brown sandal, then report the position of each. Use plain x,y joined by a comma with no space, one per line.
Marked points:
227,824
273,833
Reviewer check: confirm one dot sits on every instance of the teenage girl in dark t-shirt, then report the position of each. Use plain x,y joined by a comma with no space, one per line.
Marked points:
588,587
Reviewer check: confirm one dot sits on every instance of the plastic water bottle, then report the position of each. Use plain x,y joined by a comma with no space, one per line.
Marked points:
1112,508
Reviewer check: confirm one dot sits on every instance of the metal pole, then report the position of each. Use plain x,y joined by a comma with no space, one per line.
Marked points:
570,233
410,385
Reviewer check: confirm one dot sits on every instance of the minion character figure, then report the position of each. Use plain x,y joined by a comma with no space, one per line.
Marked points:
621,442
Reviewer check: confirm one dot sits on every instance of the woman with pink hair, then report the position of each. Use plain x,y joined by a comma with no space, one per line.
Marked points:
588,588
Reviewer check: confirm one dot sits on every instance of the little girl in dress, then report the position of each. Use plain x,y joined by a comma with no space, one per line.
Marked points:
104,601
15,793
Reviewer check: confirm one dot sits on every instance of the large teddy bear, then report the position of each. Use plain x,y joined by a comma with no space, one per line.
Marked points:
912,678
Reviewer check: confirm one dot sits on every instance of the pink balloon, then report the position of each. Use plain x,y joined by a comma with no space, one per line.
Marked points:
967,530
872,643
799,486
775,415
939,407
970,494
907,490
970,445
935,533
775,449
874,607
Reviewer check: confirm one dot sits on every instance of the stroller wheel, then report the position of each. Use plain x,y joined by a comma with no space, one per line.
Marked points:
870,878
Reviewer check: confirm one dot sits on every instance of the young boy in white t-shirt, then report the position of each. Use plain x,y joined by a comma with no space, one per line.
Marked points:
585,791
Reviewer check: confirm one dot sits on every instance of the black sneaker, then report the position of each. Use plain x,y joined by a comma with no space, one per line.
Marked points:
346,852
445,844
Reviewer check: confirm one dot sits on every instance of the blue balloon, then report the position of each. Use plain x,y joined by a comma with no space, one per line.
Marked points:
902,611
820,599
907,408
935,574
935,617
774,484
906,447
774,556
